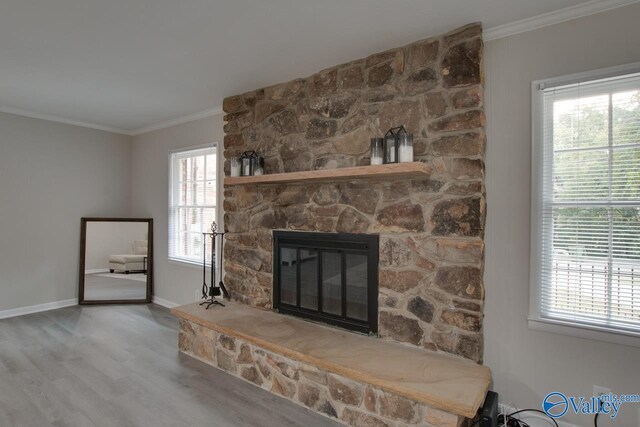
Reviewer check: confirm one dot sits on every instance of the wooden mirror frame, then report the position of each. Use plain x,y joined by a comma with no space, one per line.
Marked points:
83,251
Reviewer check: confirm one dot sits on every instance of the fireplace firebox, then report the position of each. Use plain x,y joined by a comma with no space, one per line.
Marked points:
327,277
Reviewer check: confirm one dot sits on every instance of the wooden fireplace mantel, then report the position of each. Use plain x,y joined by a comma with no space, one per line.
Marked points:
391,170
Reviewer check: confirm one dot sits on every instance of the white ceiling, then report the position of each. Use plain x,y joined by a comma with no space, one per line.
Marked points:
129,64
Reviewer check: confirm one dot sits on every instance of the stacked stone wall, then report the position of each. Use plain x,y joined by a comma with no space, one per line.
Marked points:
431,230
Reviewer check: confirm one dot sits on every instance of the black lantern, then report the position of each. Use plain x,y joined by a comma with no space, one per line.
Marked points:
248,162
392,144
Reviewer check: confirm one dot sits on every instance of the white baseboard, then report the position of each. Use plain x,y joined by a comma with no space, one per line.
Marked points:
164,302
96,271
21,311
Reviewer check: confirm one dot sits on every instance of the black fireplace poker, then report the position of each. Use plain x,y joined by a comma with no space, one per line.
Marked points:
211,291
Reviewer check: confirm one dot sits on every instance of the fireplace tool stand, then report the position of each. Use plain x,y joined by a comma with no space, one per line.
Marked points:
211,291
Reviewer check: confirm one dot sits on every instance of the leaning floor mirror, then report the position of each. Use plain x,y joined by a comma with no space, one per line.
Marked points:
116,260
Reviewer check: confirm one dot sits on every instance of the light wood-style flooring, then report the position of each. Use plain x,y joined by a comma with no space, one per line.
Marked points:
119,366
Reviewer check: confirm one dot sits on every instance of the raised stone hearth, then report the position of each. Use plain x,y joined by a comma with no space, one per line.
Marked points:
431,226
332,371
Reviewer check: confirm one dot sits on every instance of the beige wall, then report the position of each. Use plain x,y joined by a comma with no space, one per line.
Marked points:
51,175
173,282
527,364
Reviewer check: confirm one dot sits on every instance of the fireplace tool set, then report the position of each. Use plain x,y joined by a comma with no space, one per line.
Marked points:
211,291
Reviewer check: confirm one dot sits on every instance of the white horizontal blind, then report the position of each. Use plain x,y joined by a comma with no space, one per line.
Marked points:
590,210
192,203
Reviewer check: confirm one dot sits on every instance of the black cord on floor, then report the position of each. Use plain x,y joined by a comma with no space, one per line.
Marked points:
505,421
512,421
595,419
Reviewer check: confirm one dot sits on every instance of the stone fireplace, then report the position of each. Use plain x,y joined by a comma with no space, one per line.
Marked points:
298,236
430,228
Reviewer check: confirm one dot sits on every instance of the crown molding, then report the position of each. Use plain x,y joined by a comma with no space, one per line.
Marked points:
562,15
178,121
139,131
58,119
529,24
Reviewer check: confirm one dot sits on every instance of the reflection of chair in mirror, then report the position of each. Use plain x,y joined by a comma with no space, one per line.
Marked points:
136,262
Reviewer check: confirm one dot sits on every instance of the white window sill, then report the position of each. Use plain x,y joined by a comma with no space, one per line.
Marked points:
595,333
188,264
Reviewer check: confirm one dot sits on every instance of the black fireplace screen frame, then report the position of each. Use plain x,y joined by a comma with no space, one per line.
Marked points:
362,244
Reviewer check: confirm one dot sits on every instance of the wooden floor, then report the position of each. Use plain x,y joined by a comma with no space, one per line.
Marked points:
119,366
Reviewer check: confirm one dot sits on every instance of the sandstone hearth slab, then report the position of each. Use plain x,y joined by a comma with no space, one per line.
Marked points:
449,383
392,170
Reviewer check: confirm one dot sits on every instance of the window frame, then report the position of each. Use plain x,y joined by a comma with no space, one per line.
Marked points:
172,183
536,320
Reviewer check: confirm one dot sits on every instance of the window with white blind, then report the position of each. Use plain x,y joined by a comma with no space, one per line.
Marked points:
586,202
192,202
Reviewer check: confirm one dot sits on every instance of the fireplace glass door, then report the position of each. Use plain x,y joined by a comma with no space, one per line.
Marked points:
327,277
